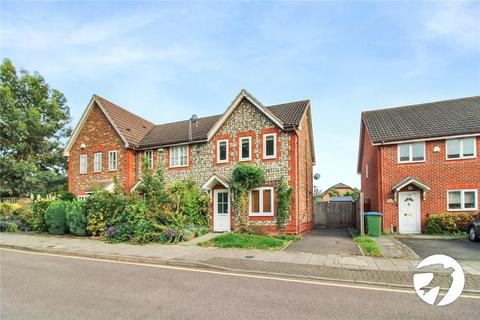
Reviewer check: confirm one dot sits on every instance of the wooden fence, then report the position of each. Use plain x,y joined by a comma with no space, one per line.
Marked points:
336,214
23,202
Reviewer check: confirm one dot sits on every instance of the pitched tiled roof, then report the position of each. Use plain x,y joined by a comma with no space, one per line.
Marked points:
132,127
178,132
427,120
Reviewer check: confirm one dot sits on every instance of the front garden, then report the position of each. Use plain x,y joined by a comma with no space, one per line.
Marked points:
155,212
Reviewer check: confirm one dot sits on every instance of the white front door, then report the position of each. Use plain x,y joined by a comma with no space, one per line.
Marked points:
221,210
409,212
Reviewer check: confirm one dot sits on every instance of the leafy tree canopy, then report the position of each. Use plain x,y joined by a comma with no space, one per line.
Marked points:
33,128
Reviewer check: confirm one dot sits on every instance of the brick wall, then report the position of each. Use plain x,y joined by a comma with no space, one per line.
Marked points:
440,174
437,172
305,177
371,183
98,135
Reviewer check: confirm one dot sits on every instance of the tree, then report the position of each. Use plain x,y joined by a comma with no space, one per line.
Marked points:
334,193
33,128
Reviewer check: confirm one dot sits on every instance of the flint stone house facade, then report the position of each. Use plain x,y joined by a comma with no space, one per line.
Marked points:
110,141
420,159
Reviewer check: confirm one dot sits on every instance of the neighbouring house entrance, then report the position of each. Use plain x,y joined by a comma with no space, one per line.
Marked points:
409,212
221,210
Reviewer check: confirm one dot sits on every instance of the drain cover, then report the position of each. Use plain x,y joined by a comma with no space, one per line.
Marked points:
249,257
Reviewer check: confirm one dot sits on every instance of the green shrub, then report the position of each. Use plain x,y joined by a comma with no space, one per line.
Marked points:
186,199
76,218
66,196
34,216
448,223
102,208
284,195
55,217
11,227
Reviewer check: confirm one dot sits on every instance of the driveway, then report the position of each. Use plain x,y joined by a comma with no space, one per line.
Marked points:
326,241
460,249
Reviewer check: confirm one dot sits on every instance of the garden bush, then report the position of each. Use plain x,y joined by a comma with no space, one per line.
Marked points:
34,216
76,218
6,226
55,217
448,223
101,208
186,199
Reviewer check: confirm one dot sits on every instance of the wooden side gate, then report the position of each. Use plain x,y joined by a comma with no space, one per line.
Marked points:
335,214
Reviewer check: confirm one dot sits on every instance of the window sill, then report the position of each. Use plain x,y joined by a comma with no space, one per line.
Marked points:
252,214
245,160
178,167
462,210
463,158
410,162
111,170
270,158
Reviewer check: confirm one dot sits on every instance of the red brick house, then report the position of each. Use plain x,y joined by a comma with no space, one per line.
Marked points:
110,141
420,159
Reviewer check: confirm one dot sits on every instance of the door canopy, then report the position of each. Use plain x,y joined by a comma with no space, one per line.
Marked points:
410,181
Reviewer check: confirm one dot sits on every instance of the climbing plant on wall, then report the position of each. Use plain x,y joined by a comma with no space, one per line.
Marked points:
244,178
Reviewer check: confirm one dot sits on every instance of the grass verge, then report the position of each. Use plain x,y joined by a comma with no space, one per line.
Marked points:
236,240
368,246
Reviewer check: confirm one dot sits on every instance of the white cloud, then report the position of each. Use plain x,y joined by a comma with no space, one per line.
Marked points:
457,22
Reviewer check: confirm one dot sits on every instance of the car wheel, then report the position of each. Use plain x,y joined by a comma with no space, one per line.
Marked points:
472,235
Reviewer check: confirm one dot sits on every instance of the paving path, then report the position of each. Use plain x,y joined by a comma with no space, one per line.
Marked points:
326,241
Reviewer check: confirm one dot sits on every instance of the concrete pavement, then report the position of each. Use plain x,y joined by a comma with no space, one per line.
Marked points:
384,271
36,286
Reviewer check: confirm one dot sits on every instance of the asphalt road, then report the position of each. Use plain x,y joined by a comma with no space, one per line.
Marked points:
459,249
37,286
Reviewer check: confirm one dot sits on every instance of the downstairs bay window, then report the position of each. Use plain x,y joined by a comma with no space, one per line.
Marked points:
261,202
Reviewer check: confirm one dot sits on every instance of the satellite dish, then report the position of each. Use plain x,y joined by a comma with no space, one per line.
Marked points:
316,176
194,119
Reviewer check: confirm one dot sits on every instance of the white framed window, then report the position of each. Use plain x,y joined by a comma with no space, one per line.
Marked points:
222,151
83,197
149,158
411,152
461,148
97,162
261,202
83,163
270,146
245,149
179,156
112,160
462,200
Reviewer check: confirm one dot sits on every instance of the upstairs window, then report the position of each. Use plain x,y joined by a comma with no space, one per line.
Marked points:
261,202
245,149
461,148
149,158
462,200
97,162
270,146
83,163
112,160
222,151
411,152
179,156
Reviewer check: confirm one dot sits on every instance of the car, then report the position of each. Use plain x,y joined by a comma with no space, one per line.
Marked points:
474,229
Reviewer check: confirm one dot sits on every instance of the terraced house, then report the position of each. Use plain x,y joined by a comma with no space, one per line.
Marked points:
111,141
420,159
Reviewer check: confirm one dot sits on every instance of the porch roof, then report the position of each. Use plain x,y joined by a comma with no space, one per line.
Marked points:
411,180
214,180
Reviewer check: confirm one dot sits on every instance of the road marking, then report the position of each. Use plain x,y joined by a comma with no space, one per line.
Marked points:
233,274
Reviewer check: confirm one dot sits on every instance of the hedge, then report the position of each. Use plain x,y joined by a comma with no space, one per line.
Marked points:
448,222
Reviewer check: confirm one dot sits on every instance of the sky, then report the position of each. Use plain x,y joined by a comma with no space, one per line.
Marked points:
168,60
